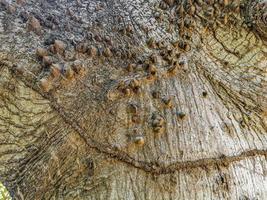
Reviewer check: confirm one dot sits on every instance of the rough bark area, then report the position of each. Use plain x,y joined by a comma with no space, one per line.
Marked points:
133,99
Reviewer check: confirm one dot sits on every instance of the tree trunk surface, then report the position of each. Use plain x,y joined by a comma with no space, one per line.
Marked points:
133,99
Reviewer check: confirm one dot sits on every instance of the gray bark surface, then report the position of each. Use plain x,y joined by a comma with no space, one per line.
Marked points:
133,99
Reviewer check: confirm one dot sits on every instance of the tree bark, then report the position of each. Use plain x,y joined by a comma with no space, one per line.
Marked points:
133,99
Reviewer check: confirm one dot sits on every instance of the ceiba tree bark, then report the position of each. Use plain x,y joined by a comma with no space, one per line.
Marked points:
133,99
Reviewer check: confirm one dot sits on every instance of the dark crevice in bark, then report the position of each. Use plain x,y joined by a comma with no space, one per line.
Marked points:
151,167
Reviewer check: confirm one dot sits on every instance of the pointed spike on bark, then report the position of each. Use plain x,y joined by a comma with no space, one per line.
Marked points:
107,52
55,70
133,108
167,101
152,69
131,67
34,25
139,140
69,73
45,84
59,46
78,67
126,91
47,60
180,114
151,43
41,52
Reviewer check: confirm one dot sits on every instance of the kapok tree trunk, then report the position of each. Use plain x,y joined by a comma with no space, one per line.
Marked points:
133,99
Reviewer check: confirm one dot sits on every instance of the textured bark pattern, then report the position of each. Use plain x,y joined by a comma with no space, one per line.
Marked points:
133,99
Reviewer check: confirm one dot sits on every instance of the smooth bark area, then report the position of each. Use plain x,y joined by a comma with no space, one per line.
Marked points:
133,99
